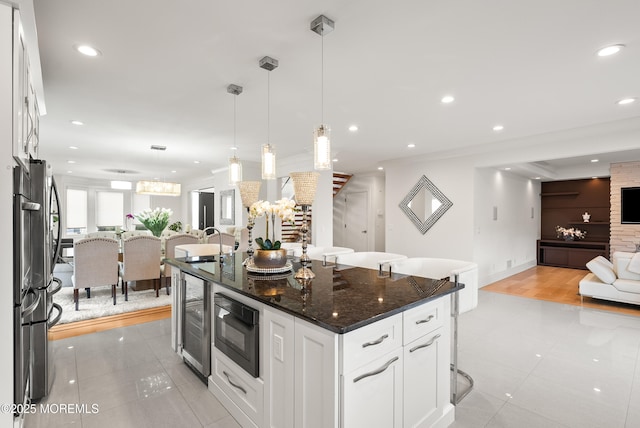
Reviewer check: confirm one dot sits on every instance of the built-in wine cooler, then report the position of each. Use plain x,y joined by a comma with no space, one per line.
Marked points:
196,325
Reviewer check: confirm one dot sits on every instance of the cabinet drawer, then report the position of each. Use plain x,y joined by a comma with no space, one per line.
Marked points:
422,320
371,342
244,390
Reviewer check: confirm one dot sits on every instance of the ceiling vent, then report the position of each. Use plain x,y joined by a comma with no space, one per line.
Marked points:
156,147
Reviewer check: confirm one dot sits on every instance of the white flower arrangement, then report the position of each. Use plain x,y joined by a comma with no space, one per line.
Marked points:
284,208
155,220
570,234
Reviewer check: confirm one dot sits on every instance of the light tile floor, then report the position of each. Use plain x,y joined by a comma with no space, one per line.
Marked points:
535,364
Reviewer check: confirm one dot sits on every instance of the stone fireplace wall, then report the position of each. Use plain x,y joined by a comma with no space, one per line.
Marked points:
624,237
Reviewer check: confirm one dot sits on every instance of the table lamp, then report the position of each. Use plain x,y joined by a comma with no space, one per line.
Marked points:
249,191
304,189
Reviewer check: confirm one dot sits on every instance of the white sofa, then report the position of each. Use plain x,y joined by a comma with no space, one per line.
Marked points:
612,281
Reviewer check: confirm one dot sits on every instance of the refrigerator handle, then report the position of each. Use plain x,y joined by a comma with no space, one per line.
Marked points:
57,318
56,250
32,307
58,288
30,206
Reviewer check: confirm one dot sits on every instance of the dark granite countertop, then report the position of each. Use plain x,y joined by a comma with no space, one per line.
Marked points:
340,298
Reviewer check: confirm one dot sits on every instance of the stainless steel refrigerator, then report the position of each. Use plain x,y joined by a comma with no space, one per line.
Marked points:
37,246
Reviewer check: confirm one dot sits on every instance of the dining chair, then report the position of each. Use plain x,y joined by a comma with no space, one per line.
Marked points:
140,261
95,264
170,253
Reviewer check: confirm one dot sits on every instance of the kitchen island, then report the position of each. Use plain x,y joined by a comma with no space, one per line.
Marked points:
353,347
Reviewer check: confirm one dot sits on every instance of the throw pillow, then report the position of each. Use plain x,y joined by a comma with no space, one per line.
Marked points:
602,271
605,261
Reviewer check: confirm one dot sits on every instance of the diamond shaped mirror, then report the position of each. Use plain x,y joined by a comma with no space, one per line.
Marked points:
425,204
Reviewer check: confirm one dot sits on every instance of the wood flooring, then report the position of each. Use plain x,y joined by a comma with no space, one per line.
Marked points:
540,282
72,329
556,285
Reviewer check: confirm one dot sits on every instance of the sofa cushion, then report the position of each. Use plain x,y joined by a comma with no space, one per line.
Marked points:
606,262
621,261
627,285
602,271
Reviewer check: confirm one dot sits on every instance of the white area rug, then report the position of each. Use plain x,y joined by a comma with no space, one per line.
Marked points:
101,303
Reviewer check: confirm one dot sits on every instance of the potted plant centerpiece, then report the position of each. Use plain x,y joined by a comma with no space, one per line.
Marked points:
155,220
269,255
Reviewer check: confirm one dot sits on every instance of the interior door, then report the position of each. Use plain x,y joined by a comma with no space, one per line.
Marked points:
356,221
205,210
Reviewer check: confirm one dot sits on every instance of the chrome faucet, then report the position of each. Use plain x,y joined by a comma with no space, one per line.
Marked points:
215,229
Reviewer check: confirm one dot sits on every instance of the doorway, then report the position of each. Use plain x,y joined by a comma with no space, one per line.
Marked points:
356,220
206,206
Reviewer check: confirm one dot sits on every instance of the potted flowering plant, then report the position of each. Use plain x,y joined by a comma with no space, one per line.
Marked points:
269,254
155,220
570,234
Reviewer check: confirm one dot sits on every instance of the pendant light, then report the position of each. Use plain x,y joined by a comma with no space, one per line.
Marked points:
268,154
235,167
322,134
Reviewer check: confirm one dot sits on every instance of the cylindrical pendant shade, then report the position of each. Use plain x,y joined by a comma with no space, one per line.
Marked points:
249,192
235,170
304,186
322,148
268,162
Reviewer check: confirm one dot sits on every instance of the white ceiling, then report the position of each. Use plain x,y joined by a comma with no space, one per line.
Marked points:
165,66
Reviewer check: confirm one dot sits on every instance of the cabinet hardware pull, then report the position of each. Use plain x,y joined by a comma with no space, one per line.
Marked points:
375,372
424,345
233,384
375,342
429,318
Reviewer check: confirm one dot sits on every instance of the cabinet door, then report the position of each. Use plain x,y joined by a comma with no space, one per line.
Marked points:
316,384
423,395
372,394
277,333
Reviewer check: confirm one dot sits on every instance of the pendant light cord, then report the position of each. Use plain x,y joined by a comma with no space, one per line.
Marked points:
235,146
322,79
268,108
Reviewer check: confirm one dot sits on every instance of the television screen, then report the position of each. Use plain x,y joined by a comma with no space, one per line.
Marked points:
630,200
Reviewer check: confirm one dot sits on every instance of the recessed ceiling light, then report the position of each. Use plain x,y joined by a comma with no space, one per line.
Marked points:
498,128
447,99
610,50
77,122
71,161
335,159
411,145
69,172
73,147
595,160
87,50
626,101
196,161
353,128
507,169
536,178
174,171
380,168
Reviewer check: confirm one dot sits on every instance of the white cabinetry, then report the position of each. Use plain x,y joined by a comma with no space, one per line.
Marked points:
25,107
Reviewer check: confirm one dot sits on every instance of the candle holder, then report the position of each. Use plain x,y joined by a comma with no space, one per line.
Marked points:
304,188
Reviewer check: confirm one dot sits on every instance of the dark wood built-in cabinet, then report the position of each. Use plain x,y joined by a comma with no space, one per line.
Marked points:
562,204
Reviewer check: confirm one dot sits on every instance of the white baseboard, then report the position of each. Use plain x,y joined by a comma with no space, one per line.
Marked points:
497,276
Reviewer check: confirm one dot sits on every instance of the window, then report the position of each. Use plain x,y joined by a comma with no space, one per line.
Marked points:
76,212
109,210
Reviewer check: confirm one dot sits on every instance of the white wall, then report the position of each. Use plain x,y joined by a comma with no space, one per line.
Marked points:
512,233
452,235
